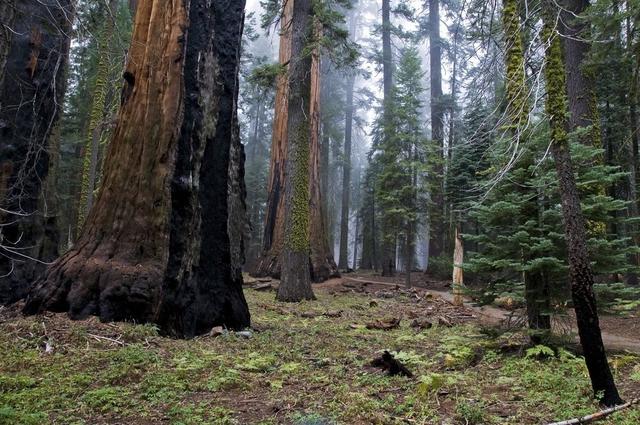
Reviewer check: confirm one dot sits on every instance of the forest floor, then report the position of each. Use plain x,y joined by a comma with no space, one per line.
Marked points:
300,364
619,331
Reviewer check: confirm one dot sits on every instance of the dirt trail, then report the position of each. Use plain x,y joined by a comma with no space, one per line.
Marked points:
495,315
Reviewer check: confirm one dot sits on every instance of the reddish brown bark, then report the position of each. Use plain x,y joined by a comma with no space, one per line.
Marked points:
302,124
322,263
157,245
268,264
321,258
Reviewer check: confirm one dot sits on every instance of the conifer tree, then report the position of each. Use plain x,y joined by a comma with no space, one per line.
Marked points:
399,146
580,271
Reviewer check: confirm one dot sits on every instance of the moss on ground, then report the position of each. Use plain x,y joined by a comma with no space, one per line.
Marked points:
310,368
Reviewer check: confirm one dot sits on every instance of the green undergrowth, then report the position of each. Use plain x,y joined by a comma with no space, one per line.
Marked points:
293,370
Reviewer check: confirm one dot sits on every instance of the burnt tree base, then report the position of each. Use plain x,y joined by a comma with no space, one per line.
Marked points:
85,286
117,291
164,241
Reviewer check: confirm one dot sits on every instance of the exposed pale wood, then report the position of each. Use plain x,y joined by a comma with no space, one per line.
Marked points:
458,274
597,416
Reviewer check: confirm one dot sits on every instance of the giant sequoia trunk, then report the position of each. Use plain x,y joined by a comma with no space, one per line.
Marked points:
34,48
163,240
580,272
321,257
301,136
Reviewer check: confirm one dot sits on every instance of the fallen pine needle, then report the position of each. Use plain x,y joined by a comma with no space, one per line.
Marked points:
597,416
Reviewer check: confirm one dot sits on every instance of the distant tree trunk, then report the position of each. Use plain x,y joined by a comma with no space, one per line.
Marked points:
133,6
387,55
34,48
454,228
583,112
580,272
634,210
97,116
325,148
295,282
356,237
343,262
369,252
388,240
163,241
49,248
321,258
255,154
537,298
346,177
408,254
436,213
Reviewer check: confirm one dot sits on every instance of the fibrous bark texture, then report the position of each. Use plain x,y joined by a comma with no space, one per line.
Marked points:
162,242
34,45
269,264
295,281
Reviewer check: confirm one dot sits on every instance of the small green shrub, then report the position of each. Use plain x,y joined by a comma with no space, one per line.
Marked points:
471,413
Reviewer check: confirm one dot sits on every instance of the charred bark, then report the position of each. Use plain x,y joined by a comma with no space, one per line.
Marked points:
6,21
34,46
161,243
580,272
581,277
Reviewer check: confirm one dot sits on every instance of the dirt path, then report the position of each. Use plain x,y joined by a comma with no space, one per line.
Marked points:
495,315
